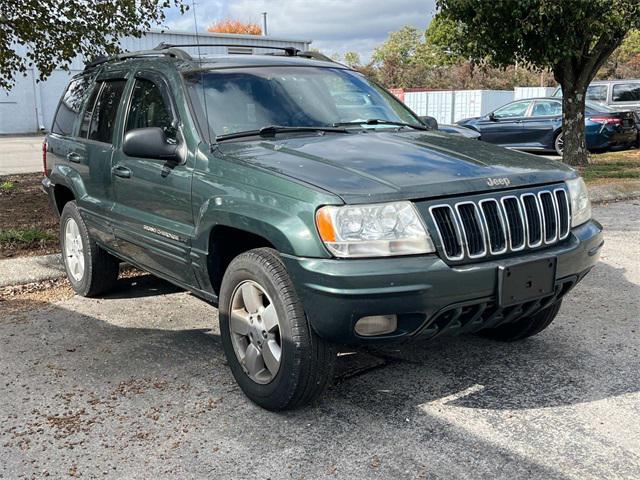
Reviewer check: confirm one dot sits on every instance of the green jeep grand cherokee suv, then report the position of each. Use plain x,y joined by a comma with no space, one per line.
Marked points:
310,206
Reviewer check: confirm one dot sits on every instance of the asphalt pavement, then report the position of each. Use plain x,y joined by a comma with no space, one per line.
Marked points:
20,154
135,385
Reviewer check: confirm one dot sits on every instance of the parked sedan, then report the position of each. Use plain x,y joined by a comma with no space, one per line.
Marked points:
536,124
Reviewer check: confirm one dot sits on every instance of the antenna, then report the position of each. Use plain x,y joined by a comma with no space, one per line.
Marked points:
204,95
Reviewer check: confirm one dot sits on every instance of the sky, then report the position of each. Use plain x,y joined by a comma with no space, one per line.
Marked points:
335,26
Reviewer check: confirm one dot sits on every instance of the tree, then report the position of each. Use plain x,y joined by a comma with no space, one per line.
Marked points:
48,34
396,56
352,59
573,38
229,25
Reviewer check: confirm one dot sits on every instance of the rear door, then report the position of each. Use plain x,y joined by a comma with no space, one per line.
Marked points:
88,147
504,127
543,121
154,220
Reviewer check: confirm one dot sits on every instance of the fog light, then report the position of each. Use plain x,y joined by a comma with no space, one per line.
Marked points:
376,325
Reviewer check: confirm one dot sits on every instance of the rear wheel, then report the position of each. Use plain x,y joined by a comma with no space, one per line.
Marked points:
558,144
274,354
525,327
90,270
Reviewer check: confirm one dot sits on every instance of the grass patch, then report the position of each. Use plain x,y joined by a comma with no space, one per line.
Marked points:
24,237
6,186
620,165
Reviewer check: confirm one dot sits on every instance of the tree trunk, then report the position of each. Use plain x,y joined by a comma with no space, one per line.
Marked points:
575,148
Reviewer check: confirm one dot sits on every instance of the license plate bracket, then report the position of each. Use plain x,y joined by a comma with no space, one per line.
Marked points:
527,281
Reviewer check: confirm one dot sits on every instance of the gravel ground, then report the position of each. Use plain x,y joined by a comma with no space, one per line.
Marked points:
135,385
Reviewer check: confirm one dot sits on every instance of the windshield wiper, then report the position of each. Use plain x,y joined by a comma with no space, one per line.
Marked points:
381,121
271,130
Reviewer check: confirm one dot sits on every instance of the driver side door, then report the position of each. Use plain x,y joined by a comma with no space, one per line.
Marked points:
504,125
154,220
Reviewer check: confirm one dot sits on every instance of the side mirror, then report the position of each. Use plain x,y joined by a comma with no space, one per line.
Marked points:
492,117
151,143
430,122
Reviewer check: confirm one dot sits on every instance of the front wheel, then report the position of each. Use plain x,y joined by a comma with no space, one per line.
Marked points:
524,327
274,354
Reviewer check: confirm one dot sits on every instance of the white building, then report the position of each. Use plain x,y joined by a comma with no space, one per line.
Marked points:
30,105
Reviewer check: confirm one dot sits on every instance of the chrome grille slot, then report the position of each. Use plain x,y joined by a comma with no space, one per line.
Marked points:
533,219
496,231
515,223
564,220
447,227
508,223
549,216
472,230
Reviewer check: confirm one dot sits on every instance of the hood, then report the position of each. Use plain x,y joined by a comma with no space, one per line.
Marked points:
408,165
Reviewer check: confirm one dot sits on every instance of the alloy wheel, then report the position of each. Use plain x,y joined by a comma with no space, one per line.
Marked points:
73,250
559,144
255,332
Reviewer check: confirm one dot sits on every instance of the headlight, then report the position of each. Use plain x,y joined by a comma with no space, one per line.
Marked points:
377,230
580,203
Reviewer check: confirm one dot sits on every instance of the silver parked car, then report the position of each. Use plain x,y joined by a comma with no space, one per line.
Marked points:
617,94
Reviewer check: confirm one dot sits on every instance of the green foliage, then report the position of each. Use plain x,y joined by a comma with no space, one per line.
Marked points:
352,59
6,186
54,32
544,33
24,237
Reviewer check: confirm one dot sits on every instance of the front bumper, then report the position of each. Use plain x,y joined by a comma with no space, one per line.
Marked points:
421,290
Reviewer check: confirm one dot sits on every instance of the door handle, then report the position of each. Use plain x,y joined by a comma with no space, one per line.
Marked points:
73,157
120,171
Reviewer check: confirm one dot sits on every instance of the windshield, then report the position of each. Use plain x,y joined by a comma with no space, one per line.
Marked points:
248,99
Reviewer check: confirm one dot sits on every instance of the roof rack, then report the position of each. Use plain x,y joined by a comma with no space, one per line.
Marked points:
289,51
171,50
167,52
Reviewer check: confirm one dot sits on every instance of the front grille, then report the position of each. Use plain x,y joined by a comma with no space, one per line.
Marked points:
508,223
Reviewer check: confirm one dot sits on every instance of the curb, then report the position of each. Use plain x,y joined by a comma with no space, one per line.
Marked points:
615,192
22,270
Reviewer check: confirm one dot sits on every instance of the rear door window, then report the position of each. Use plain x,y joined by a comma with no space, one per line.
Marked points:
626,92
105,111
70,106
88,111
546,108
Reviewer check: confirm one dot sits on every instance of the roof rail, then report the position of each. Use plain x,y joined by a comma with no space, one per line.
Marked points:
289,51
171,50
168,52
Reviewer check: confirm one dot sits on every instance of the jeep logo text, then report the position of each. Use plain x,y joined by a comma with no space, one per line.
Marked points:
498,182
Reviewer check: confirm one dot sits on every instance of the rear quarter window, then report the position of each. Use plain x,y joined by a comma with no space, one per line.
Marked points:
70,106
626,92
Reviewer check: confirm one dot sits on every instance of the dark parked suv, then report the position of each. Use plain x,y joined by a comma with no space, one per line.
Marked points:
310,206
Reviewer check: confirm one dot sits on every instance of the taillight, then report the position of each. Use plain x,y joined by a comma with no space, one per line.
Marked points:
606,120
44,157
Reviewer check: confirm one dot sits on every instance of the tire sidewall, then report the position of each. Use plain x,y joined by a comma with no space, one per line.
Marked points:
69,211
279,390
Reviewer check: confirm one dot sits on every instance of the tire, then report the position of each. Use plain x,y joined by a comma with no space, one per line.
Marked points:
525,327
90,270
558,143
306,362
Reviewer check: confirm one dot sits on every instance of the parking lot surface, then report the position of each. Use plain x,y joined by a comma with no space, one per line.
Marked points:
20,154
134,385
